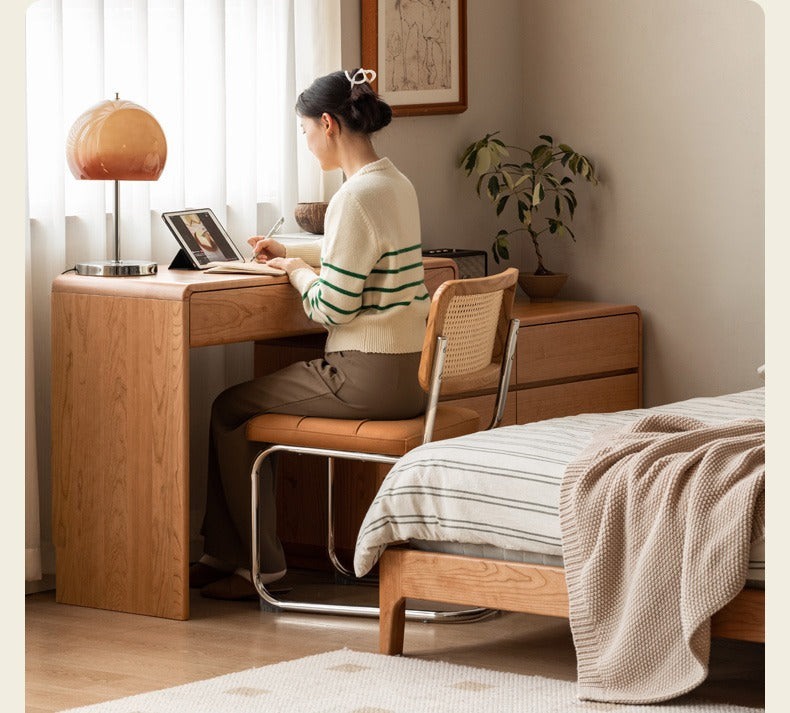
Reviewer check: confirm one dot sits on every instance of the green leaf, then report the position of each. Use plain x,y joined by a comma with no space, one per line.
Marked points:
498,147
520,181
537,194
557,205
470,162
500,246
542,156
546,138
566,180
565,148
523,211
500,206
571,205
493,188
483,160
508,179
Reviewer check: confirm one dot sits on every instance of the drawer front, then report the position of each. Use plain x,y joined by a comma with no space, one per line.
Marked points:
568,349
245,314
484,405
613,393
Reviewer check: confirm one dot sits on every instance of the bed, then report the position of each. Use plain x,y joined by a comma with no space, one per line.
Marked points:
475,520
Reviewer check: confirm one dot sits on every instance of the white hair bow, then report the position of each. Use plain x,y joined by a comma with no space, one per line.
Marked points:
361,76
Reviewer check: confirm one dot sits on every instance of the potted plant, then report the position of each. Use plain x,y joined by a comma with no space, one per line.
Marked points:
543,179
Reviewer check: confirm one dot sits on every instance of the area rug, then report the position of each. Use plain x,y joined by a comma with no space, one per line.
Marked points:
348,681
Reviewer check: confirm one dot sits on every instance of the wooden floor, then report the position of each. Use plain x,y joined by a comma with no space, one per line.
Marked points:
76,656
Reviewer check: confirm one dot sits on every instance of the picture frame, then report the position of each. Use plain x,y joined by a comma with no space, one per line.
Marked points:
418,54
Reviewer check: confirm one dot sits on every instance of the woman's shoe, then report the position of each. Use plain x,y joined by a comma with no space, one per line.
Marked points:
237,587
202,574
233,587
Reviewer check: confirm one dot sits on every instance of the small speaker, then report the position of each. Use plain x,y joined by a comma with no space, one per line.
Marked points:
471,263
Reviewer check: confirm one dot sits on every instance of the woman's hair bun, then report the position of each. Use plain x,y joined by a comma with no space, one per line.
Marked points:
355,105
367,111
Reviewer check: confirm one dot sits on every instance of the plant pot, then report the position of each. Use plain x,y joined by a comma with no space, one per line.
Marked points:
541,288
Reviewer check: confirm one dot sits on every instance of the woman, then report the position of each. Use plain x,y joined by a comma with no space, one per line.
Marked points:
370,297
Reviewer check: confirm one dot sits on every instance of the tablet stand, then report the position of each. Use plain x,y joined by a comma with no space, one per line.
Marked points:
181,261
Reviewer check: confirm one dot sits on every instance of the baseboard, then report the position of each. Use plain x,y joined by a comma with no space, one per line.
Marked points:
45,584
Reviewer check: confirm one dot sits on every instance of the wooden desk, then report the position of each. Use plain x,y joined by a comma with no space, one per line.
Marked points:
120,421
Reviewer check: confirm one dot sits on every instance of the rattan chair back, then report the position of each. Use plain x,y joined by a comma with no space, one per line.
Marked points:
474,316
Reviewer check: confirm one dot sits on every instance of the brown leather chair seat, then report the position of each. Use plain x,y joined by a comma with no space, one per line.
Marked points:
387,437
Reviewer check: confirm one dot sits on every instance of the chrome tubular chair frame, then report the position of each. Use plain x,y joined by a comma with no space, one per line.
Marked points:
272,602
327,608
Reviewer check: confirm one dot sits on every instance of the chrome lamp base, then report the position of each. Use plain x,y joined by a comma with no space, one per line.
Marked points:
116,268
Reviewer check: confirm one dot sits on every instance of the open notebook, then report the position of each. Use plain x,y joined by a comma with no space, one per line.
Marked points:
253,268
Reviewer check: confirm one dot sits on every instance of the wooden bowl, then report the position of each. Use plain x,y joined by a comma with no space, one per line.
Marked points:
310,217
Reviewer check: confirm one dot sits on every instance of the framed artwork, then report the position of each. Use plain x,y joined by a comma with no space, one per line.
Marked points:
418,50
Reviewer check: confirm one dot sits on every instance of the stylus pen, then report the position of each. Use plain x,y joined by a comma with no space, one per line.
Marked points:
274,229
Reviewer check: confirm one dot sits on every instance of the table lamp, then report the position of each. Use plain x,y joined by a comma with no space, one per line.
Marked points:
116,140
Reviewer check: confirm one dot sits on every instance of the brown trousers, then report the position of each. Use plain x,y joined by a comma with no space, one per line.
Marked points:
341,385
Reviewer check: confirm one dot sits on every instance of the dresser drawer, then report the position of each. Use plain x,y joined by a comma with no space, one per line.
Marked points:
563,350
246,314
612,393
484,405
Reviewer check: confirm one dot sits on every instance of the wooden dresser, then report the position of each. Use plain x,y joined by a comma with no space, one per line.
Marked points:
572,357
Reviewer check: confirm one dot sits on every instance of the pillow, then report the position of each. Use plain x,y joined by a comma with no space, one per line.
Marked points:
761,371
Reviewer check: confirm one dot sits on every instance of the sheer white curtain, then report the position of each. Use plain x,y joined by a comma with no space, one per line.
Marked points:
221,77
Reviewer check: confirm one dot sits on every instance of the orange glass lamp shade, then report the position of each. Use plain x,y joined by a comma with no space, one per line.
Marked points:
116,140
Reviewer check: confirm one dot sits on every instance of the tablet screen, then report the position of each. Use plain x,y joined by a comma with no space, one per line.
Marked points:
201,236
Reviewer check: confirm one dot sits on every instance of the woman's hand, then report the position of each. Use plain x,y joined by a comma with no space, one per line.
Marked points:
289,264
264,249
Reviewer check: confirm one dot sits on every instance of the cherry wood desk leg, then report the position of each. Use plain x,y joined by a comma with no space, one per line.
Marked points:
120,456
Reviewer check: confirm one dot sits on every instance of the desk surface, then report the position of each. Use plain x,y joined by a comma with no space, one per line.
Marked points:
180,285
167,284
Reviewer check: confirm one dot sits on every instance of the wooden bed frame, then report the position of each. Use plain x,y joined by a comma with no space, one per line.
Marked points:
510,586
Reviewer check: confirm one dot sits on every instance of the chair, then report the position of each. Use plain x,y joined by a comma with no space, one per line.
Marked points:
469,345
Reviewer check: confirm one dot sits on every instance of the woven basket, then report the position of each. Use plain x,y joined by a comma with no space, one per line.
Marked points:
310,217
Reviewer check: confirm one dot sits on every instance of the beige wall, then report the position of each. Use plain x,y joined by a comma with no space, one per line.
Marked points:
426,148
666,97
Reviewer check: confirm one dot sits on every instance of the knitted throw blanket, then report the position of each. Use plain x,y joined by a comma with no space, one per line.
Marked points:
657,522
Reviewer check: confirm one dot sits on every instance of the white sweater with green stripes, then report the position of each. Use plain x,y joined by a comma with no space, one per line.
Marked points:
370,294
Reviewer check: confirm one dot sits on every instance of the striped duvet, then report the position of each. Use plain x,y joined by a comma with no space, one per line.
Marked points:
496,493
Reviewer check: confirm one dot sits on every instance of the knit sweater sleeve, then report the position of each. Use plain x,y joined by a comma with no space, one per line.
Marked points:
309,251
350,250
